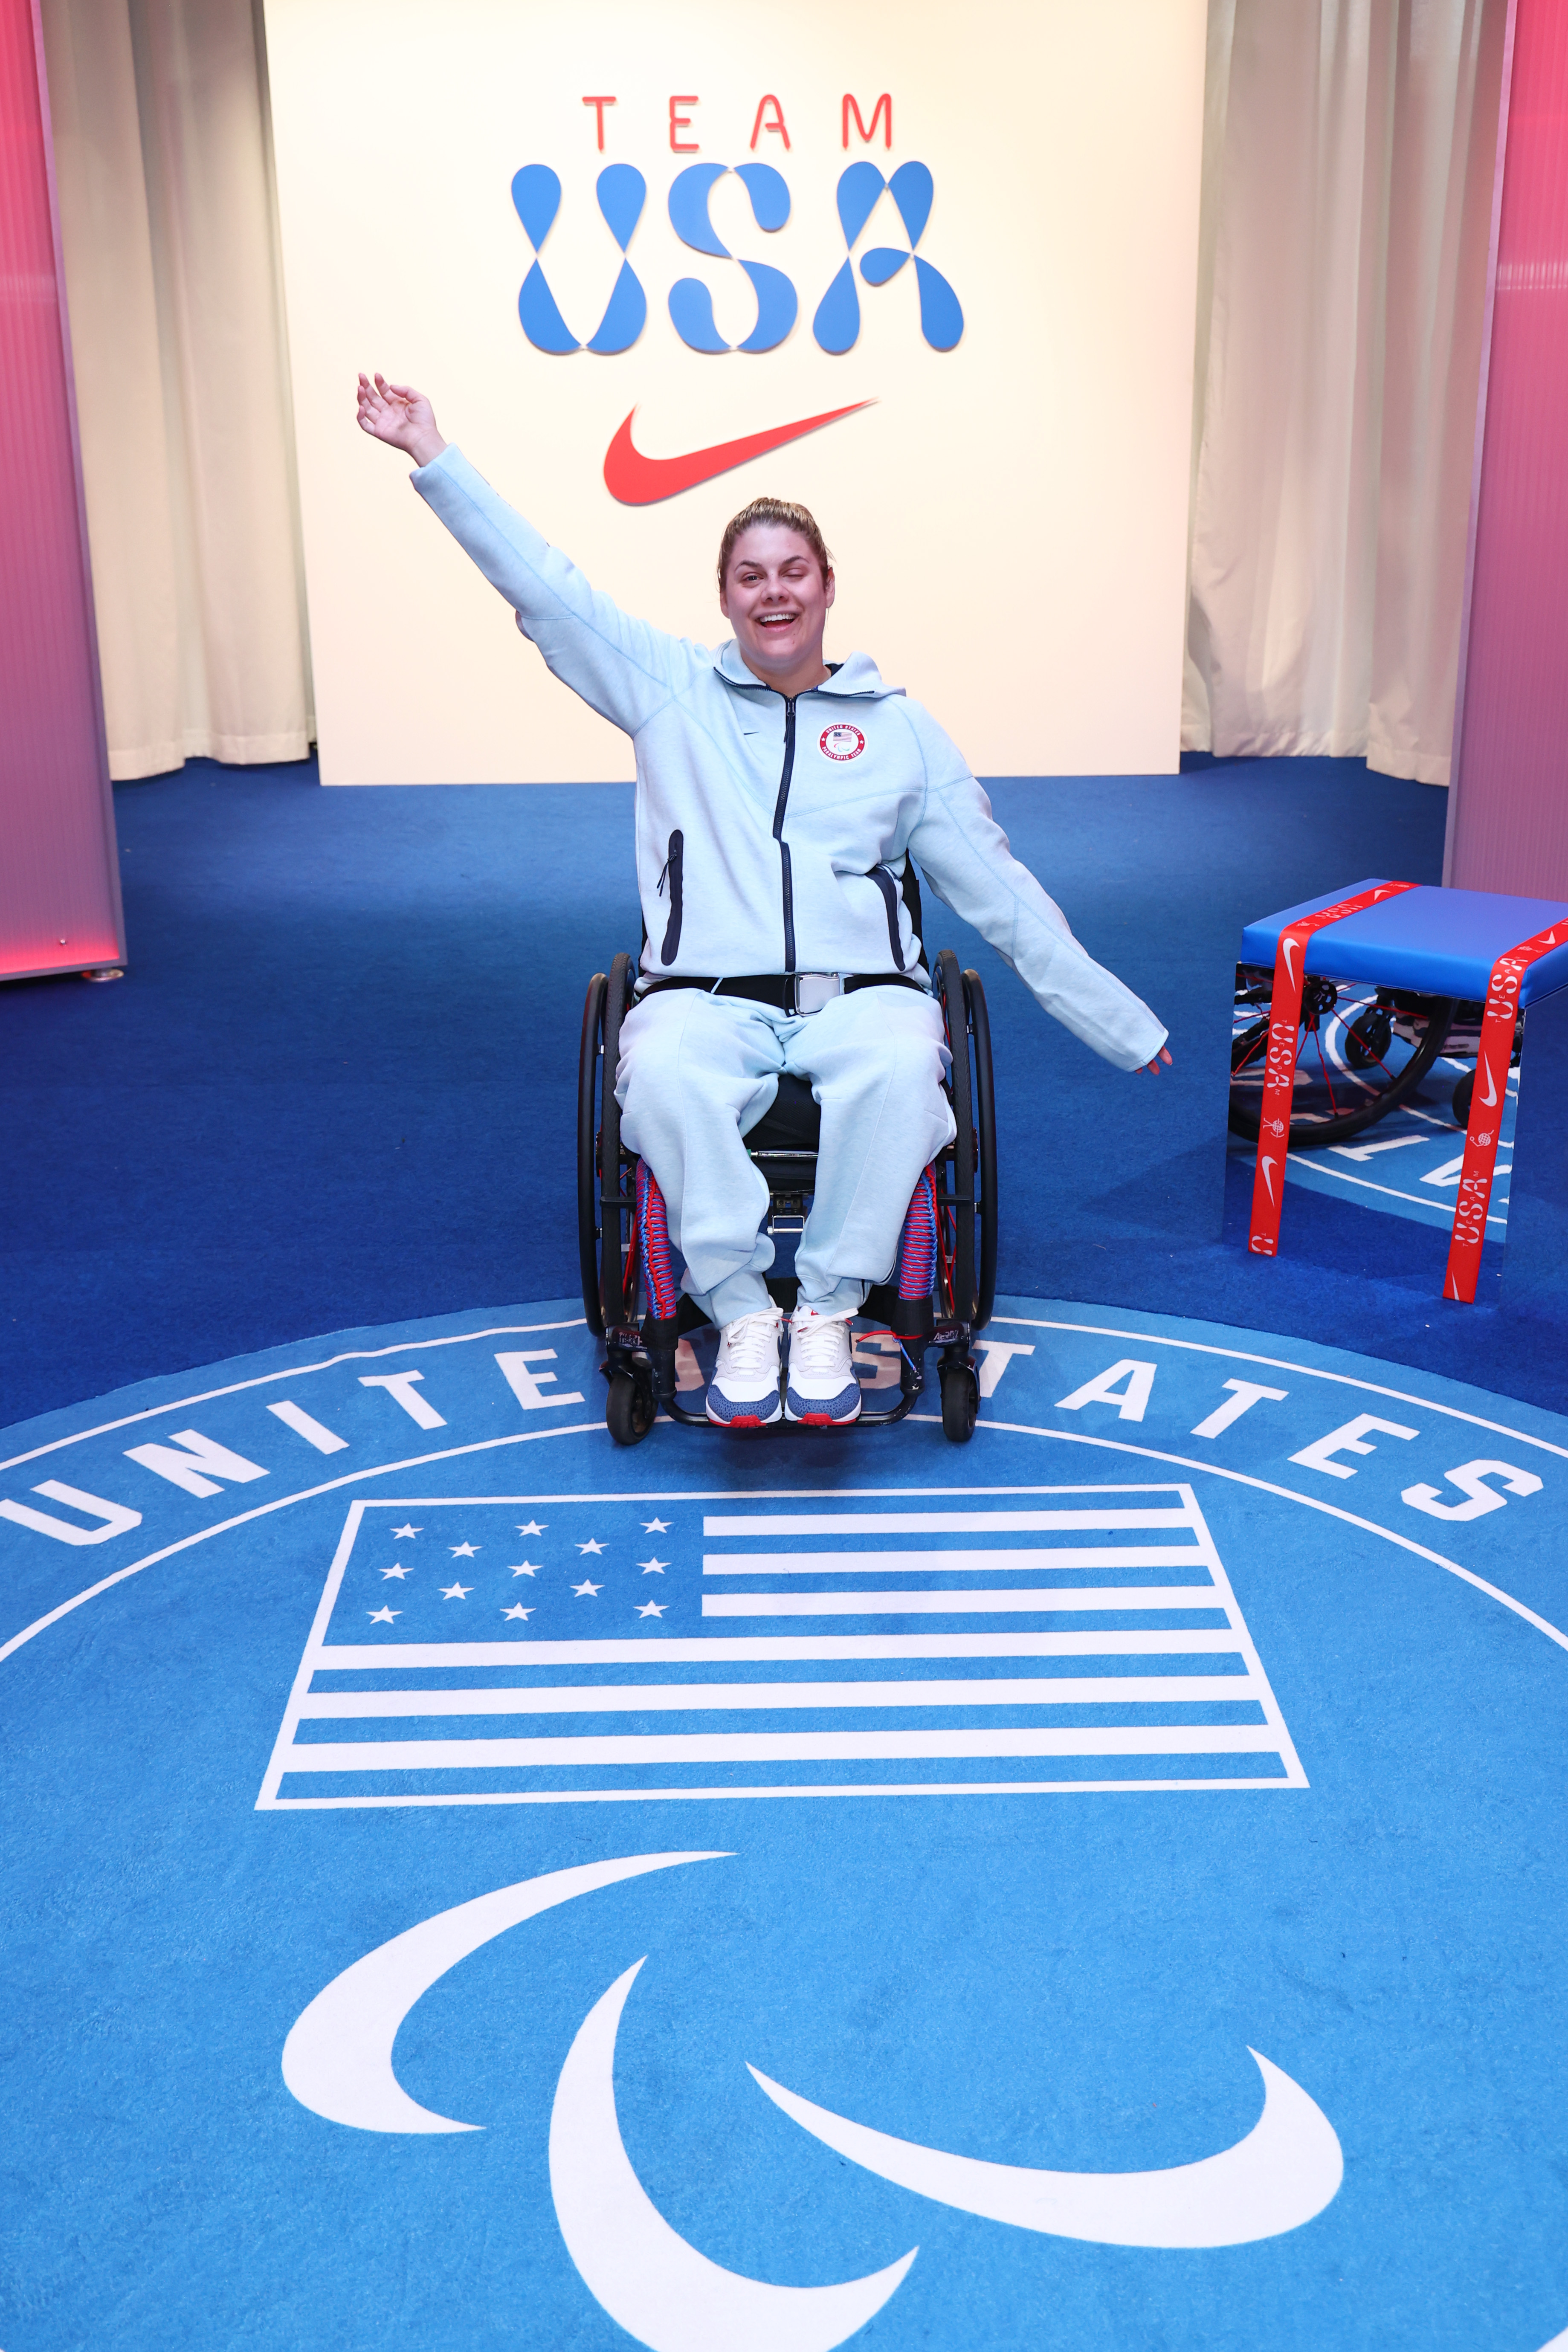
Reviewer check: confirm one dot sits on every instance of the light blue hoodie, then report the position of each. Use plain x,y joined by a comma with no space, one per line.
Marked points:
772,835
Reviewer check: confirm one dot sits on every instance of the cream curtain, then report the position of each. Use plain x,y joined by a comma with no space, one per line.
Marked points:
163,164
1348,164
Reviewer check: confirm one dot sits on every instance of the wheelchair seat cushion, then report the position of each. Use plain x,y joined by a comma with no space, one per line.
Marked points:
794,1121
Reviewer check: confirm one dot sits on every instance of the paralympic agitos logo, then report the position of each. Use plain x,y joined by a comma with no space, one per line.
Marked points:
621,194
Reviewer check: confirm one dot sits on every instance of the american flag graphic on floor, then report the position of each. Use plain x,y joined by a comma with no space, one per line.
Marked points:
508,1649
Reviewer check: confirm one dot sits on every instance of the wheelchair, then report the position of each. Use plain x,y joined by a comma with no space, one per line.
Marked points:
1360,1052
943,1283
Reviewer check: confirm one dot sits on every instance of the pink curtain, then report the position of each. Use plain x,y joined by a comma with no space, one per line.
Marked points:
1509,822
59,891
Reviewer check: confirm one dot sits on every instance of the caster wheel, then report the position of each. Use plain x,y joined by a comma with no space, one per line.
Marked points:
630,1408
1462,1094
960,1402
1368,1039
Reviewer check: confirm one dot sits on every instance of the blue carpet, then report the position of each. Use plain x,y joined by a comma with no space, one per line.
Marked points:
995,1804
337,1085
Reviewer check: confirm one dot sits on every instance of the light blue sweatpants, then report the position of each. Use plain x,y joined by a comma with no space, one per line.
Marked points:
697,1072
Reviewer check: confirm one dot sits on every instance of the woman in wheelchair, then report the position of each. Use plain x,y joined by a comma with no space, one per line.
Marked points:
780,799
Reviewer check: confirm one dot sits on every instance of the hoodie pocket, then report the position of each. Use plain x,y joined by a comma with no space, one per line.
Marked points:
882,876
668,951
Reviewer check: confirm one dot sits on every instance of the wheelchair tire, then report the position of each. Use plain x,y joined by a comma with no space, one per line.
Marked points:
631,1407
1309,1134
956,1203
985,1136
587,1153
960,1402
613,1222
1462,1093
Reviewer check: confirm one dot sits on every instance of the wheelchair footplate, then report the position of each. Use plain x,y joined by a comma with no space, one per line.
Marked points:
663,1365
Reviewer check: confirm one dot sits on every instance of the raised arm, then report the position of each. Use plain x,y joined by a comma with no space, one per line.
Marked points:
403,418
623,668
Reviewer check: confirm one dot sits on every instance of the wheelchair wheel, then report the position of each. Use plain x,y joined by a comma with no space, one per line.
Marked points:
955,1194
986,1141
965,1207
1359,1050
960,1402
588,1153
606,1207
631,1407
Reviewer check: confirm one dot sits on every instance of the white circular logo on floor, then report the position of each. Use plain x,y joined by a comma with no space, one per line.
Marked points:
1065,1855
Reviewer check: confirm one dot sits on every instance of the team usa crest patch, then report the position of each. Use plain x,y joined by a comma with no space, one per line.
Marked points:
841,742
469,1884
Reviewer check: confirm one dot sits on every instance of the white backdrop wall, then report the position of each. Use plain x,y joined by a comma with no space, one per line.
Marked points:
1009,517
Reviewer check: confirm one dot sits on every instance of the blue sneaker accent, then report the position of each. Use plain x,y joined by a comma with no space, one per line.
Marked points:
834,1412
745,1413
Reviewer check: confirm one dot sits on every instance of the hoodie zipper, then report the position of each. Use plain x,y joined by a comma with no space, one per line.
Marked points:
883,878
672,867
782,803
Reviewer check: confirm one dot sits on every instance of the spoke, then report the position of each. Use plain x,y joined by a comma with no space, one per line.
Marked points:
1323,1065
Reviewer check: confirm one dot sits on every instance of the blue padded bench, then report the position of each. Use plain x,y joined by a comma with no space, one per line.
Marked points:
1437,942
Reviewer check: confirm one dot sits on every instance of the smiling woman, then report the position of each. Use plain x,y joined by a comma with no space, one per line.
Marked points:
775,590
778,941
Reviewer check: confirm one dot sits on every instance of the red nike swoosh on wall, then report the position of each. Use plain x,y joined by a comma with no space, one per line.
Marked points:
639,481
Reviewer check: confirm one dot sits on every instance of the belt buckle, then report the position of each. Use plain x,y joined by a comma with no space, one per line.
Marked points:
812,989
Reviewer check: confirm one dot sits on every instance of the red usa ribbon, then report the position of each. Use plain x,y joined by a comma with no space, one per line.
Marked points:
1280,1067
1485,1111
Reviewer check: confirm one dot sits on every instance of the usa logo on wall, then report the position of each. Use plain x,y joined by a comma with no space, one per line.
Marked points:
621,196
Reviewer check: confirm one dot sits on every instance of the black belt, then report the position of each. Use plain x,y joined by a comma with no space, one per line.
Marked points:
777,988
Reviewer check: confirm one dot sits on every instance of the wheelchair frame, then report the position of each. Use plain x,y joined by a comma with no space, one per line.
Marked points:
640,1345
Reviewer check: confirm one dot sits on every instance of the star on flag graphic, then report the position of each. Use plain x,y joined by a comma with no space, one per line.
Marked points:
605,1538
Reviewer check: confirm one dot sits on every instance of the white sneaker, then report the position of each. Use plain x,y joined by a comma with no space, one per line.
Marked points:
743,1392
823,1391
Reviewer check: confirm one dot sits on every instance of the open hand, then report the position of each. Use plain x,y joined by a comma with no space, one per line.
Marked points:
396,413
1154,1068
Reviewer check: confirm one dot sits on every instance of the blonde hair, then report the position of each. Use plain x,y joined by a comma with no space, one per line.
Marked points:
787,516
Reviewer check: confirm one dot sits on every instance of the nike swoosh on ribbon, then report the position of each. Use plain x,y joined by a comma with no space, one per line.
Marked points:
1290,969
639,481
1489,1098
1268,1177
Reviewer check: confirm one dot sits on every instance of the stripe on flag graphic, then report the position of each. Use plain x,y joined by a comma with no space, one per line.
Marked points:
574,1648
